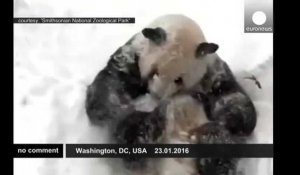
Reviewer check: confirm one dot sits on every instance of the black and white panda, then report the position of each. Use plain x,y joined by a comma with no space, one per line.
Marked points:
166,58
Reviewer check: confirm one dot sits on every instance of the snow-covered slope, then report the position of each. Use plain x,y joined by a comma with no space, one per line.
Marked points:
53,64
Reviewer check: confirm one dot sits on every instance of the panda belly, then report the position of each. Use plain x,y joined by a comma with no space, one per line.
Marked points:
183,114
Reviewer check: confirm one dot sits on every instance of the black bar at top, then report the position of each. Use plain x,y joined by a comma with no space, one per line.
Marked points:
74,20
171,150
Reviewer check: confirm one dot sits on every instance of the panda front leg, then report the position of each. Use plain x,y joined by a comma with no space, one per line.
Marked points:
237,112
214,133
141,128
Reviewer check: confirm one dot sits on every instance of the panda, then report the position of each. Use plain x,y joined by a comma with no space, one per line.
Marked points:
172,60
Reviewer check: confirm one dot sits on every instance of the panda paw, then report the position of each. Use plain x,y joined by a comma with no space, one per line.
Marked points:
212,133
141,127
216,166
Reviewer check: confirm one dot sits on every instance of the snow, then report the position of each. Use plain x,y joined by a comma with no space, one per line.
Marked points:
53,64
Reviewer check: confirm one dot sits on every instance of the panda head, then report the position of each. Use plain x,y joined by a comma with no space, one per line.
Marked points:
167,79
172,50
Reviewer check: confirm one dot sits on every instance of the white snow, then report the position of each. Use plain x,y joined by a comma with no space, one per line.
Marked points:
53,64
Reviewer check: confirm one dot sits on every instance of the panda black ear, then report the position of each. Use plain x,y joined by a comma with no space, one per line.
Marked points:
206,48
157,35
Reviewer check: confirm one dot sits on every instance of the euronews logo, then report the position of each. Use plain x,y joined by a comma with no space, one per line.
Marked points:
258,16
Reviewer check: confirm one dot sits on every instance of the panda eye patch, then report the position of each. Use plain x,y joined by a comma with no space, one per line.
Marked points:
178,81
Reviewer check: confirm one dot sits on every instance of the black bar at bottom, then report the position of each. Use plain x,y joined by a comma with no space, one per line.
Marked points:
169,150
38,150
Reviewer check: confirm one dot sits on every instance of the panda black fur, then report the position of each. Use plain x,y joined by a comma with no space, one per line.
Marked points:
110,95
224,99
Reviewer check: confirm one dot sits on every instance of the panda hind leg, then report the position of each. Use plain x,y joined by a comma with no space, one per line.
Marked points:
140,128
214,133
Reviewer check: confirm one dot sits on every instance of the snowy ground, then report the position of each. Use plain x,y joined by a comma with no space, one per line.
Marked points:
53,64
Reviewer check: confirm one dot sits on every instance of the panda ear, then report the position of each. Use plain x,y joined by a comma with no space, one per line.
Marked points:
157,35
206,48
